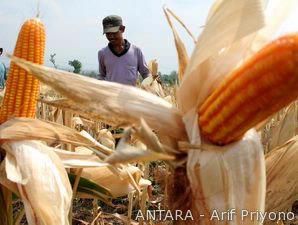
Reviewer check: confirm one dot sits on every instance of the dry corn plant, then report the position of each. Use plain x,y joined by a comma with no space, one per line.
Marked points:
154,86
150,83
182,54
181,50
281,127
216,155
282,191
279,137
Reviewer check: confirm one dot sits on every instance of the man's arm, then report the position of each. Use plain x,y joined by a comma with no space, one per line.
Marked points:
102,68
142,65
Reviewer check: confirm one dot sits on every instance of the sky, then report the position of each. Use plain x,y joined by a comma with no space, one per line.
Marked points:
74,28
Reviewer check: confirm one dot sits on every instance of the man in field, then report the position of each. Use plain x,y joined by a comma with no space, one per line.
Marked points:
2,72
120,61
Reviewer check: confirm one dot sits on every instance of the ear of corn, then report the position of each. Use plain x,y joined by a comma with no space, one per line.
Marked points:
22,88
261,86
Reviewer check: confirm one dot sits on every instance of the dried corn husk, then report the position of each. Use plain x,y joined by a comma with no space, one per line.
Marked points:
242,24
116,103
238,169
71,106
34,129
276,14
47,201
127,154
219,49
151,85
78,159
180,47
168,98
281,129
21,128
117,184
77,121
153,67
182,24
282,179
107,183
106,138
238,179
215,55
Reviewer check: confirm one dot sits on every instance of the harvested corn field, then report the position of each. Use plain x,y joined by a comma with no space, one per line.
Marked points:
215,145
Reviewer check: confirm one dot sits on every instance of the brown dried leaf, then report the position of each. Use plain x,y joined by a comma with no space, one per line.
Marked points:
239,178
285,128
118,184
151,85
78,159
34,129
146,135
127,154
69,105
219,49
282,179
182,24
180,47
117,103
42,181
153,67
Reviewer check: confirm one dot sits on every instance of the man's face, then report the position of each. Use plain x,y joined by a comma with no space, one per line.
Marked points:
115,37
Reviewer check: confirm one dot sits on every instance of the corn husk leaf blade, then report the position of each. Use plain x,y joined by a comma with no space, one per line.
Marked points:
121,104
47,201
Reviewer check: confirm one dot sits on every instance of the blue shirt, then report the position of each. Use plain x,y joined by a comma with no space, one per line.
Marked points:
2,75
124,67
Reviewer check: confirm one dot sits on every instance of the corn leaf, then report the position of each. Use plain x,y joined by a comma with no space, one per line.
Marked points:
90,188
282,179
73,107
284,128
46,201
232,21
146,135
276,14
116,103
153,67
117,184
240,181
127,154
34,129
78,159
180,47
182,24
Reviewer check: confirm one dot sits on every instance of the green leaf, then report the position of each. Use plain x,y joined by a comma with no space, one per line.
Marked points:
91,188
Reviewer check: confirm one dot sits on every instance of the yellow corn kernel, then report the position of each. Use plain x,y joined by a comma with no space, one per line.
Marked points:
260,87
21,91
